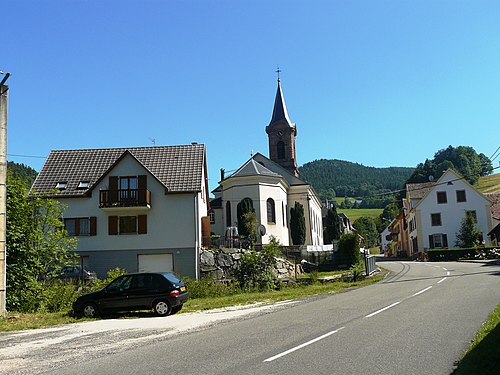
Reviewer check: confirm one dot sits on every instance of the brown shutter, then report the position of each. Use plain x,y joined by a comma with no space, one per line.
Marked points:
142,186
113,225
142,224
431,241
93,225
205,231
445,240
113,189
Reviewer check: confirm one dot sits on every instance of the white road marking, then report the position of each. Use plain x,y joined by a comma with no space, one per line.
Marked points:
448,273
302,345
445,269
443,279
385,308
422,291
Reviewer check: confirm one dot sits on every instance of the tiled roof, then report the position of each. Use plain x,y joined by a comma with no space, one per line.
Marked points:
495,204
419,190
253,168
178,168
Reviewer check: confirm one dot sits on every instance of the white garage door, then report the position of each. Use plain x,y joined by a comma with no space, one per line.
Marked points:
156,263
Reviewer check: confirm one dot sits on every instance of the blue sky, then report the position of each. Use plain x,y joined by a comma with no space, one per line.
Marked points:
381,83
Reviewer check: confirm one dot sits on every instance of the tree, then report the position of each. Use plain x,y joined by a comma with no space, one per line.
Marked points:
349,249
367,228
37,244
462,159
242,208
250,222
333,226
469,234
298,224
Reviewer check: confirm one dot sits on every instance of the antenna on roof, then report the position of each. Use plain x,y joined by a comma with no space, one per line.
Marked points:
153,141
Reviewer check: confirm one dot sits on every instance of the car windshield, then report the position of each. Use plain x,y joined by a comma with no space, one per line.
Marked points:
171,277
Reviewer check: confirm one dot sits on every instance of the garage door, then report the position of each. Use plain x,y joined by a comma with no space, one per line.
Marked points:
156,263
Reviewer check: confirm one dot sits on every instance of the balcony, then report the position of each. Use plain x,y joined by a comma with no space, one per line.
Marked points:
125,198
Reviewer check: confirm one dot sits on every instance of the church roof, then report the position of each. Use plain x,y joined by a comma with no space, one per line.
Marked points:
278,169
253,168
280,112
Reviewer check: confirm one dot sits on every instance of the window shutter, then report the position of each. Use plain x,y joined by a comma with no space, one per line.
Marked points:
142,181
445,240
142,185
142,224
93,225
113,225
431,241
113,189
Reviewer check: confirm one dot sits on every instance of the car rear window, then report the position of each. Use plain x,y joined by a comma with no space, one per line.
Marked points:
171,277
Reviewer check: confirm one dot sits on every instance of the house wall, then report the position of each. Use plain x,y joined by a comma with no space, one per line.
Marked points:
312,212
452,212
259,190
173,226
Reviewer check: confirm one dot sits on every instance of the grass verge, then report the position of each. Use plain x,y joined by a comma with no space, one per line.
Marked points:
484,352
18,321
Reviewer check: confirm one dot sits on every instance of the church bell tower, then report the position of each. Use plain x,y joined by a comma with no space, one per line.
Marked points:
282,132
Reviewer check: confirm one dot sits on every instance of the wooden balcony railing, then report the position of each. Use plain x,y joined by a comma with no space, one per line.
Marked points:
124,198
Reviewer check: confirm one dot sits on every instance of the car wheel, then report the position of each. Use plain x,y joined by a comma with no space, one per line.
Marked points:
176,309
90,310
162,308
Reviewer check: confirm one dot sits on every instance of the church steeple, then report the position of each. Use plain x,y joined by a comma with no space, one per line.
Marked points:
282,132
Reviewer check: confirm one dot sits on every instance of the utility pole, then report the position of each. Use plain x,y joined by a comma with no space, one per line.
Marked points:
3,192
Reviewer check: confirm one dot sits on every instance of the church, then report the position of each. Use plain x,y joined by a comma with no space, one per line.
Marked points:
271,186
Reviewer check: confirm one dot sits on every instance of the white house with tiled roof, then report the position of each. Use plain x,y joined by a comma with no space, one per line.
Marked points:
138,208
271,186
434,211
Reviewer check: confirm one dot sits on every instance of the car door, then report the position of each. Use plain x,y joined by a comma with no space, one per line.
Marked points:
115,296
140,291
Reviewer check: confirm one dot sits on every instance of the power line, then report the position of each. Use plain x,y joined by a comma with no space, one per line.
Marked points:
28,156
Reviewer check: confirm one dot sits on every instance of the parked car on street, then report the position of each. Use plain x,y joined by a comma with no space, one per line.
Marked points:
162,292
75,273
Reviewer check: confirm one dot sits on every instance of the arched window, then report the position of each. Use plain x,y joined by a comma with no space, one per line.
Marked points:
228,214
271,211
281,149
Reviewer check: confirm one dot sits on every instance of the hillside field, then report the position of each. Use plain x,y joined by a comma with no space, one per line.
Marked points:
489,184
355,213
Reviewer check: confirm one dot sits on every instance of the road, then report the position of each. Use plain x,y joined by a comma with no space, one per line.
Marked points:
419,320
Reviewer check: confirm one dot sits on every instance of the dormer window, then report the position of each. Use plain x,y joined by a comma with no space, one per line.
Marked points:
85,184
62,185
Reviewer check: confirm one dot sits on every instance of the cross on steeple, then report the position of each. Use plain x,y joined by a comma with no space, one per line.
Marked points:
278,70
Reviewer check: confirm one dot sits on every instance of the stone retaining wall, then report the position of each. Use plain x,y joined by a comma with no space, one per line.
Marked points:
223,263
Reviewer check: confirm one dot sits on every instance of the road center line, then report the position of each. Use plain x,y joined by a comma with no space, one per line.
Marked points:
443,279
302,345
385,308
447,273
422,291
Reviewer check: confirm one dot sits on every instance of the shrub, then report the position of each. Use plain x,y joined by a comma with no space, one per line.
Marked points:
208,287
349,249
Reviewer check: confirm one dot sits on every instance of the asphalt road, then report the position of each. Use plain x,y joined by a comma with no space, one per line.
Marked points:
419,320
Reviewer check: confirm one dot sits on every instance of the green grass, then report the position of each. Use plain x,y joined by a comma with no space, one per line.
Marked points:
489,184
483,354
355,213
17,321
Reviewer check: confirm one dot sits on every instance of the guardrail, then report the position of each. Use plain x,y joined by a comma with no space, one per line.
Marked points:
370,264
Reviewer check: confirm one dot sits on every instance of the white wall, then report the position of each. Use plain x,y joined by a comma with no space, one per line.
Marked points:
452,212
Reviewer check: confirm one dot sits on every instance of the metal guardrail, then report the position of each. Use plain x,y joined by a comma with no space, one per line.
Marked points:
370,264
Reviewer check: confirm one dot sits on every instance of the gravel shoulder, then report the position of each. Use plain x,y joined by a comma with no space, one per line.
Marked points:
39,350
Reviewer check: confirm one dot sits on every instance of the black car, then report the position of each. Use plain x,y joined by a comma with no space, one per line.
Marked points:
162,292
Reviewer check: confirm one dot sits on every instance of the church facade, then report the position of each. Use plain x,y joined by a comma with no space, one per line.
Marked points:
271,186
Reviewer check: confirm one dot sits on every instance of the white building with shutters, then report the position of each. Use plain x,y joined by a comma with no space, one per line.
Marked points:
140,209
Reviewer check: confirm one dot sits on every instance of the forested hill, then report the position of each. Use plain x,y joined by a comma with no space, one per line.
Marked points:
352,179
22,171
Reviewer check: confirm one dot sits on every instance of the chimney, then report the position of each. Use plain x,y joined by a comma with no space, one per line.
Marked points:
222,170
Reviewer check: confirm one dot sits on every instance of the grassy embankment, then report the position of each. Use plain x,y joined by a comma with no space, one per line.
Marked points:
483,355
489,184
18,321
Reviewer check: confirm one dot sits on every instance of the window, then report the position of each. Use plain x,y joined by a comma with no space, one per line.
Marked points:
62,185
127,225
82,226
128,188
473,215
461,196
271,211
436,220
280,146
228,214
438,241
83,184
212,216
441,197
